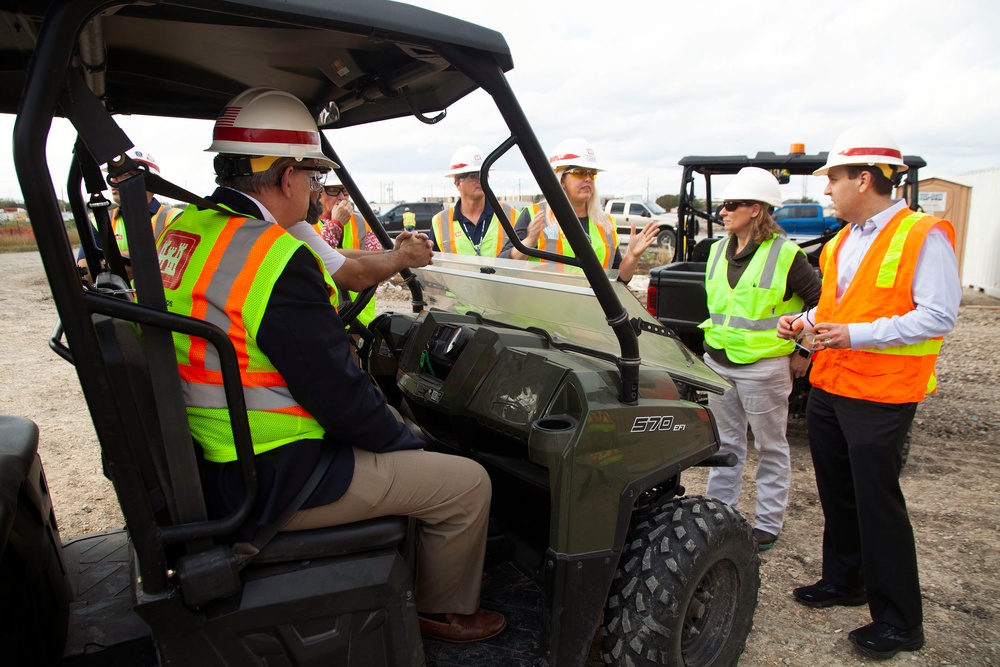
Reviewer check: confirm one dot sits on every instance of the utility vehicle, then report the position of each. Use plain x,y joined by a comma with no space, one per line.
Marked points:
536,370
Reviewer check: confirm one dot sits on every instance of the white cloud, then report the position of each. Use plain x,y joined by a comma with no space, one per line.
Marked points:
648,83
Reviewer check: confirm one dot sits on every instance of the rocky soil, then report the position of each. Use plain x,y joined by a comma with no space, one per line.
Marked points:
950,485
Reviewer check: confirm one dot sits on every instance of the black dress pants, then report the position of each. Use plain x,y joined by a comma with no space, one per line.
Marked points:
868,541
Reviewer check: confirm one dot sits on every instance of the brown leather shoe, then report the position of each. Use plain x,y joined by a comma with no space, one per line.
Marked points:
462,628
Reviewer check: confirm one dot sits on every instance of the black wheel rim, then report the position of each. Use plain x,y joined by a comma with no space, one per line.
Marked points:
711,609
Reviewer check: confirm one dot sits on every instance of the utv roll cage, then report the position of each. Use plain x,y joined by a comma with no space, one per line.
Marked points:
783,166
350,62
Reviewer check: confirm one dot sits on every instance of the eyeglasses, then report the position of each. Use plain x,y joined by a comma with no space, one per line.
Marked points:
335,190
733,205
317,178
577,172
472,176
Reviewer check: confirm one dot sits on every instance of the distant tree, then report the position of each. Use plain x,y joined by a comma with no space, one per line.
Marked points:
668,202
11,203
803,200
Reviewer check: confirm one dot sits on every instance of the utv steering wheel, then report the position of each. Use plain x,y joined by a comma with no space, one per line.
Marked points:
350,309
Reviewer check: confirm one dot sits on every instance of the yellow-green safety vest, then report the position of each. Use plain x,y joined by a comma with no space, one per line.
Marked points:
221,269
743,320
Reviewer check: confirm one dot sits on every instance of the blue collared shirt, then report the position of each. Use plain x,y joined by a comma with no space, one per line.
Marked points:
936,288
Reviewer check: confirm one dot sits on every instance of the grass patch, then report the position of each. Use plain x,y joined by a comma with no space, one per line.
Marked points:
21,238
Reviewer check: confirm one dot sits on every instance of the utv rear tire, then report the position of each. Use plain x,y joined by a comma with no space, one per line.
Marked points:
685,590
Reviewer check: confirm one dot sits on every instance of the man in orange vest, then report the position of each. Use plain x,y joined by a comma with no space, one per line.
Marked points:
240,266
890,293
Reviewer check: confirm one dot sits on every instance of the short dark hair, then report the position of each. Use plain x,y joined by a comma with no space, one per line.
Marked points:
882,185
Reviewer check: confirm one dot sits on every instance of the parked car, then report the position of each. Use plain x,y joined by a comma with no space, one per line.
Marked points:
805,220
392,219
641,213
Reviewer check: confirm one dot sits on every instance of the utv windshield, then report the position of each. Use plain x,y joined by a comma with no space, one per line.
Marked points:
558,299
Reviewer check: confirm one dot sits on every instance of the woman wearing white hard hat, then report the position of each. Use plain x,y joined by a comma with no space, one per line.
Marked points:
576,165
754,276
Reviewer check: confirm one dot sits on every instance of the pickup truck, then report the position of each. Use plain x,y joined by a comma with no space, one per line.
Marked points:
805,220
625,212
392,219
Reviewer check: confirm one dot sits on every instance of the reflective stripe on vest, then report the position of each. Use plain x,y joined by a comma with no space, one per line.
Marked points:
248,256
881,287
604,243
158,221
452,238
351,240
743,319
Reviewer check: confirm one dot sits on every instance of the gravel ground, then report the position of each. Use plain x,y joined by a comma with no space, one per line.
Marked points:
949,484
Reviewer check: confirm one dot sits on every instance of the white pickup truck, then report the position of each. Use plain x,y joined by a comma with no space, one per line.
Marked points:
625,212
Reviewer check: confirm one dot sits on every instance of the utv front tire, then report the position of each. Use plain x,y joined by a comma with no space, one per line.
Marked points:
685,590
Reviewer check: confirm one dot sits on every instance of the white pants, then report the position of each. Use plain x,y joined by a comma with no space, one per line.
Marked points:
759,396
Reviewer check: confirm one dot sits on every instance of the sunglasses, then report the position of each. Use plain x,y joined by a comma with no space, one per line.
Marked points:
317,177
472,176
335,191
577,172
733,205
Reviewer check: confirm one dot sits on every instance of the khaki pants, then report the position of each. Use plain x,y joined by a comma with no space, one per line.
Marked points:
450,498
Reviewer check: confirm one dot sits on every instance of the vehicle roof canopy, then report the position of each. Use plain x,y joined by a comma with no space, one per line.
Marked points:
374,59
796,164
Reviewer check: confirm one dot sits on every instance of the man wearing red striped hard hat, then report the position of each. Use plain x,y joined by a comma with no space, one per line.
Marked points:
890,293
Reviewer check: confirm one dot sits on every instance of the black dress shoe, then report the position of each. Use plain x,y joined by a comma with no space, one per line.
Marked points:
824,594
882,640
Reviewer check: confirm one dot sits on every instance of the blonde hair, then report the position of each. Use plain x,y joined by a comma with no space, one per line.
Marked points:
594,211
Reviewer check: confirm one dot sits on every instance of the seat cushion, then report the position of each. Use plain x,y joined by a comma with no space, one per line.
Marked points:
349,538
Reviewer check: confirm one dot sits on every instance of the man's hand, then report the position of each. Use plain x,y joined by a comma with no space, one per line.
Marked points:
792,326
832,335
415,249
342,211
404,235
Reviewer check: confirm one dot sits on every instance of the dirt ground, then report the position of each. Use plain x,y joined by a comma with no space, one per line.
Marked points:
949,482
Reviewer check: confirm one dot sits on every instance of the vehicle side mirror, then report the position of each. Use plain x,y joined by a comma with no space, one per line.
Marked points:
646,213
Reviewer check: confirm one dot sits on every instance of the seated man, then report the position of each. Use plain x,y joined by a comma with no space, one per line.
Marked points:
303,393
159,214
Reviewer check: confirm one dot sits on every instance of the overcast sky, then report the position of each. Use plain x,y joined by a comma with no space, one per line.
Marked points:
647,83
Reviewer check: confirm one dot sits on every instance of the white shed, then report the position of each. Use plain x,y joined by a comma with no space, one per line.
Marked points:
982,249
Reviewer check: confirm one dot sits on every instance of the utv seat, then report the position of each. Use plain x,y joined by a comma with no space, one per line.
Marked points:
127,362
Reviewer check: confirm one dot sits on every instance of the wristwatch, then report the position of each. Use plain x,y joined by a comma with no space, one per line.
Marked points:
803,353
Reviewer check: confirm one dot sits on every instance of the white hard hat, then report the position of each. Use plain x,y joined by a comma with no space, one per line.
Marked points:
574,152
865,145
465,160
268,122
142,158
754,184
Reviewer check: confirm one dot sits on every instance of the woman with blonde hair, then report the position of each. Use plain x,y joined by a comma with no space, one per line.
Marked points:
753,277
575,163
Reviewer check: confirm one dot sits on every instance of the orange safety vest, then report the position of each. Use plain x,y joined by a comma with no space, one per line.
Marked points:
451,238
605,243
882,287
